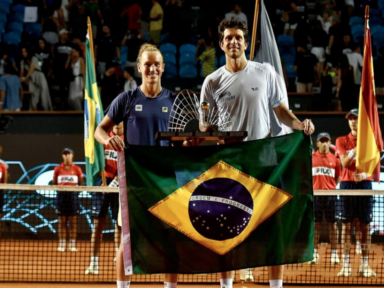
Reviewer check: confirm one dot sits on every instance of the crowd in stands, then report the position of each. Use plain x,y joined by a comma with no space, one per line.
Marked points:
42,46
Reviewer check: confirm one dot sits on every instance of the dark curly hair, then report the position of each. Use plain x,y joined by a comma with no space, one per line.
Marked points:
232,23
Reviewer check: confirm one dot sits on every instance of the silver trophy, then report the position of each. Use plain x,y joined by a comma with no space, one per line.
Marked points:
187,113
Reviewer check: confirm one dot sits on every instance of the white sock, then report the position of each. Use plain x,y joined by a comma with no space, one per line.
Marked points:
346,260
94,260
72,243
170,285
62,243
364,260
315,250
226,283
276,283
123,284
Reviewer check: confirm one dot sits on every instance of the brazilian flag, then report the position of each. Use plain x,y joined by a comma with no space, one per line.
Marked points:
219,208
93,114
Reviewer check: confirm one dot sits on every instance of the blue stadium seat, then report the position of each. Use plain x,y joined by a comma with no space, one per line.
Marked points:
378,40
355,20
188,71
168,48
123,55
34,29
377,30
12,38
357,29
376,21
187,48
374,12
187,58
285,40
15,27
380,4
2,23
19,8
4,7
9,2
290,72
222,60
169,58
170,71
16,17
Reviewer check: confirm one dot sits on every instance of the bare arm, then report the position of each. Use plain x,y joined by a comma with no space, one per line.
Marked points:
289,119
345,160
30,71
101,135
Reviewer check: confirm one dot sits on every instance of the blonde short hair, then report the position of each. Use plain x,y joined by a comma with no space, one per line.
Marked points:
148,48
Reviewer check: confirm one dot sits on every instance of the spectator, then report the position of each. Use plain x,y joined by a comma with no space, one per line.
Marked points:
356,61
155,19
346,45
379,72
37,84
130,82
293,15
77,18
133,40
335,37
10,90
173,12
95,15
76,41
44,56
350,6
208,57
327,84
325,5
237,14
346,91
112,83
61,50
76,64
134,14
319,40
305,64
325,21
61,14
49,29
106,51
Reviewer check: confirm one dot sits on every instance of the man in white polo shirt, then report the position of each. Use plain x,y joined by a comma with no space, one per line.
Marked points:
248,91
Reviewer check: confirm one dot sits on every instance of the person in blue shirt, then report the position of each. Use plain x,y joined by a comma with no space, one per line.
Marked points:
10,90
144,111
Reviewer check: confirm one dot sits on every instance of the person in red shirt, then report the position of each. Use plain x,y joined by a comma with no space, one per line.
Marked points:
354,206
326,175
101,202
3,180
67,206
133,13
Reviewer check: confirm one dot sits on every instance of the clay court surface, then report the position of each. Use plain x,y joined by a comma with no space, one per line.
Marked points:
36,264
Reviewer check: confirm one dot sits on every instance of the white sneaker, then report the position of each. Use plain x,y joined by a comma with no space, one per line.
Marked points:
358,249
366,271
92,269
72,249
346,271
316,258
335,259
61,249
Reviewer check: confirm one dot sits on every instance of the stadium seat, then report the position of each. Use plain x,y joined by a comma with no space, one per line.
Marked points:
15,27
290,72
357,28
188,71
377,30
168,48
170,71
16,17
12,38
374,12
376,21
2,23
19,8
33,29
169,58
9,2
187,58
285,40
187,48
222,60
356,20
4,7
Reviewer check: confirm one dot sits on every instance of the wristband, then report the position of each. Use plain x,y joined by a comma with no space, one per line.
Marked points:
363,176
114,183
351,154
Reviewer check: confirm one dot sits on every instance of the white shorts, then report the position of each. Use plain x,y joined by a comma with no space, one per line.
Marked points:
290,26
319,52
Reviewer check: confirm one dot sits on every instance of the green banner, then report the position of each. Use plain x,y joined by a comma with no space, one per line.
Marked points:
93,114
219,208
